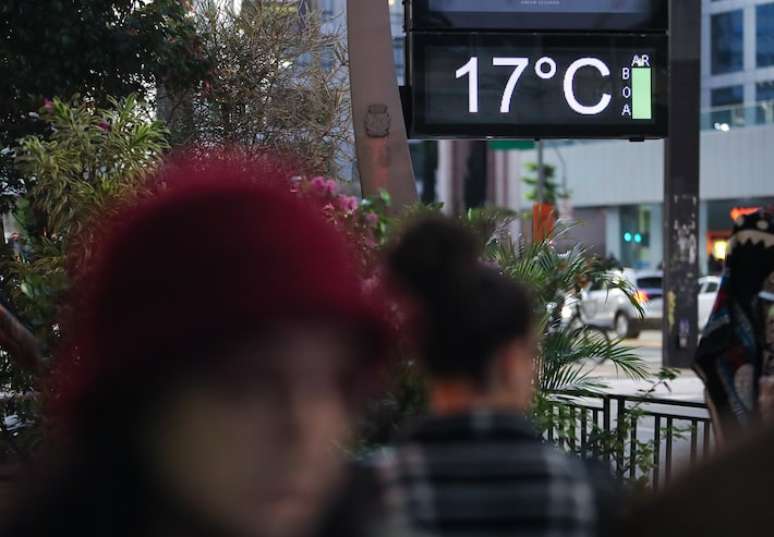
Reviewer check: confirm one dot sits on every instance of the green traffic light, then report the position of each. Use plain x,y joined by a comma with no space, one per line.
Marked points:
628,237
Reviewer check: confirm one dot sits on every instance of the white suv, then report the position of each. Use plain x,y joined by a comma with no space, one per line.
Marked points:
708,292
610,308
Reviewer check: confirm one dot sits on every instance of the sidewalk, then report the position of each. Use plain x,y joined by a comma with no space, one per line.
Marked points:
688,387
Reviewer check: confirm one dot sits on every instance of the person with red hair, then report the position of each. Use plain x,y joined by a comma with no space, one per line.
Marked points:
218,336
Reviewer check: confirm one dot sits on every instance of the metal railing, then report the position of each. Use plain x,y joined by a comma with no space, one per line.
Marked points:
640,437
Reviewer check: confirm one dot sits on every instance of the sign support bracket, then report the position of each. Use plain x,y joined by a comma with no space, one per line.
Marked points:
381,141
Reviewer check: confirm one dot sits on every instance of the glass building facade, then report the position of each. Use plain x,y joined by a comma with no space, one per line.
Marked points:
727,34
764,34
738,73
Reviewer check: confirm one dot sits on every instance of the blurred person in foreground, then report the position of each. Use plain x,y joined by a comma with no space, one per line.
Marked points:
218,340
730,496
476,466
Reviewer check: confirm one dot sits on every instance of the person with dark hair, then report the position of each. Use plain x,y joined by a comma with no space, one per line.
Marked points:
181,412
476,466
736,352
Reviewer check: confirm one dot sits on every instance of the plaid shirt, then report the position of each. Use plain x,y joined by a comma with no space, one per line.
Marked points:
487,474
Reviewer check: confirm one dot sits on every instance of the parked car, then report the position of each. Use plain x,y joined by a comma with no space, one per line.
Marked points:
708,293
650,291
609,308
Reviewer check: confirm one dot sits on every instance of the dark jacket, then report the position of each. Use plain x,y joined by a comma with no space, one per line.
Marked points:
490,474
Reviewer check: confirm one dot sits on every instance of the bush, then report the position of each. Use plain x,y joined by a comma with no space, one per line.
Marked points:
96,48
278,84
90,160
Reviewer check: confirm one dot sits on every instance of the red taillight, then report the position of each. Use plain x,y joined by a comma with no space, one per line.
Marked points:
642,297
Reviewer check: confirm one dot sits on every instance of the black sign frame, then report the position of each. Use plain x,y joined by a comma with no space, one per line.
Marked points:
421,129
420,16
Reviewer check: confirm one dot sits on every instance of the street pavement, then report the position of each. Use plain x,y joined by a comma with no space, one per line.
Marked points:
687,387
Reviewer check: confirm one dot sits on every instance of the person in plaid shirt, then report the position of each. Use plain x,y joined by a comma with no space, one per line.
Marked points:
476,466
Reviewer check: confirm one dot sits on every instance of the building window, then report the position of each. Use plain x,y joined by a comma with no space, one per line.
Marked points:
765,34
764,91
399,53
727,42
764,95
729,96
727,110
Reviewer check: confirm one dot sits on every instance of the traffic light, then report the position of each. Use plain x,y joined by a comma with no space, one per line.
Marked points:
636,237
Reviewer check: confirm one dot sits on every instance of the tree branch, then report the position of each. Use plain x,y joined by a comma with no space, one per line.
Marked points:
20,344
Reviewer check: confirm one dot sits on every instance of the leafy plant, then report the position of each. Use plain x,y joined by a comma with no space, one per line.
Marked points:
568,356
95,48
89,160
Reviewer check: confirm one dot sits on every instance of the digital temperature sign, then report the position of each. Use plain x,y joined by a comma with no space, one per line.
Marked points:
490,85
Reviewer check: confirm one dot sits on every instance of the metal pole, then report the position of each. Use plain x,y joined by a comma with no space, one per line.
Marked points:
381,142
681,187
541,186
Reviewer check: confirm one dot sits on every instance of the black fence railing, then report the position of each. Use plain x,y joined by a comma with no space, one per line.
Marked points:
642,438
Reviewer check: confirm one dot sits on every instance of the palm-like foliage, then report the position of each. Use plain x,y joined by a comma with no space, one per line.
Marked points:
568,354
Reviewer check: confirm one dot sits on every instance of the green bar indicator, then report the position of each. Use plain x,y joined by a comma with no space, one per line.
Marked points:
642,93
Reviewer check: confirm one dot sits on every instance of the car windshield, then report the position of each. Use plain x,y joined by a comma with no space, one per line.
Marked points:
652,282
712,287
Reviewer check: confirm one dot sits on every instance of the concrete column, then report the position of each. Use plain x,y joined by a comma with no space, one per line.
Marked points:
613,232
381,140
706,52
750,54
703,228
514,183
656,235
681,186
445,174
500,179
750,40
515,180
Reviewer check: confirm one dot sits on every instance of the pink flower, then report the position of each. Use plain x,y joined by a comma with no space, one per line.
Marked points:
48,104
331,187
104,125
329,210
348,204
372,219
318,184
